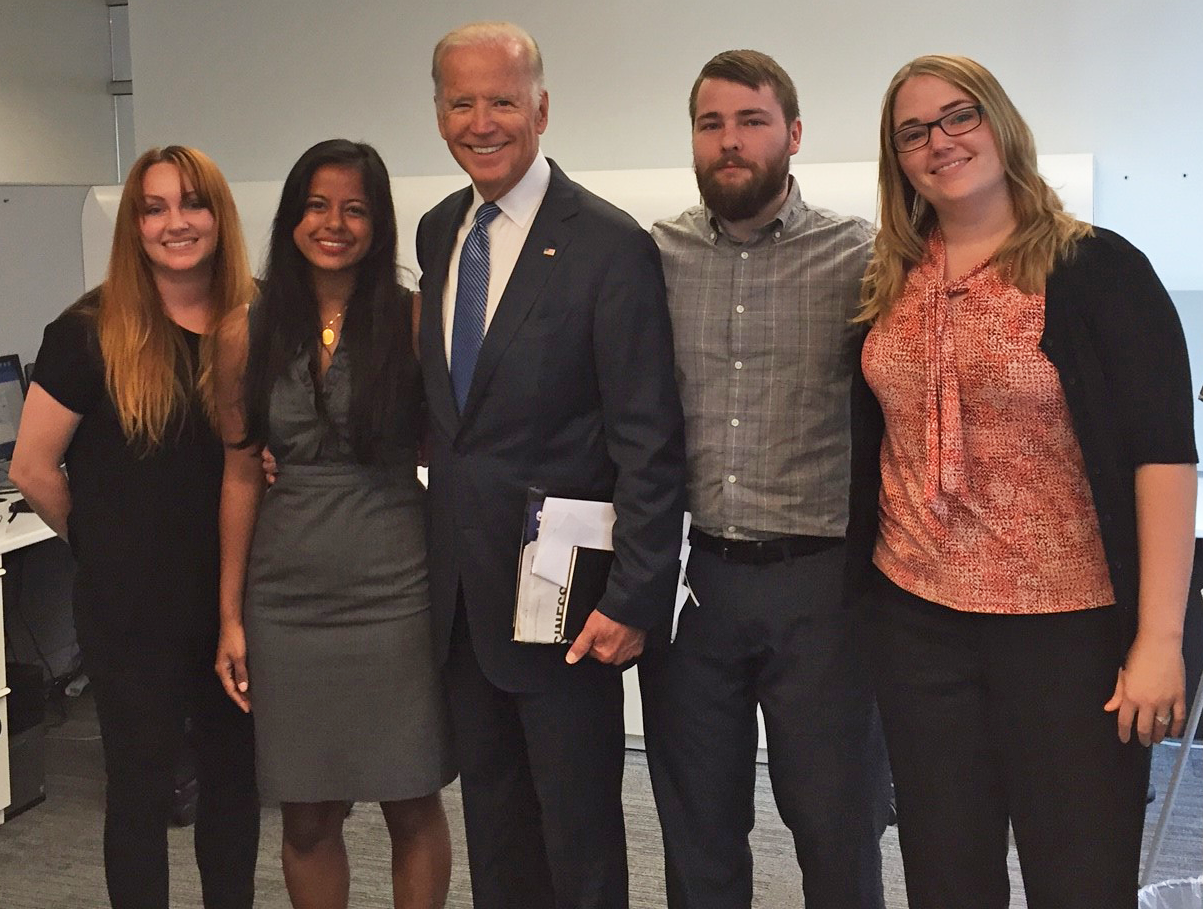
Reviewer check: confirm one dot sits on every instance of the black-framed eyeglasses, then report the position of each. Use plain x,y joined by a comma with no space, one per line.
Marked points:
957,123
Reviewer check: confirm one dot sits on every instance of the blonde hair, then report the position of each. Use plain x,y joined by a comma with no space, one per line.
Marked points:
147,365
1043,233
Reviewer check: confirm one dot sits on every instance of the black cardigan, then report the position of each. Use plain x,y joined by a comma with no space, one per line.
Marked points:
1113,335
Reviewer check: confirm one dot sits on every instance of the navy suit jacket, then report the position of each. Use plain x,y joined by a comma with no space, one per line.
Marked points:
575,392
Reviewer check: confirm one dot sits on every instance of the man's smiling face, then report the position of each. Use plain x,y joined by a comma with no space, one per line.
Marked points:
490,113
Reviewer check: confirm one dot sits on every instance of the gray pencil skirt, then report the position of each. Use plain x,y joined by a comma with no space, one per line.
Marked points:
347,702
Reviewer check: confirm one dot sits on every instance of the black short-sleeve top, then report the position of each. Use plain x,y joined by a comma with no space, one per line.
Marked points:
143,526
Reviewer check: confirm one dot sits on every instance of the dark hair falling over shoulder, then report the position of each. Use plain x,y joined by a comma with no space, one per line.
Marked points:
376,329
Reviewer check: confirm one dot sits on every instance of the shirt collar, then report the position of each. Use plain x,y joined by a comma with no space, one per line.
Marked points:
789,212
521,202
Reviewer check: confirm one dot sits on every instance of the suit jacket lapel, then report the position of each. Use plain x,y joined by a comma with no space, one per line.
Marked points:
439,396
551,230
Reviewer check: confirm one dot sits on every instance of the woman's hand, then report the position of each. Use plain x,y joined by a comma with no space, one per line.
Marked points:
270,468
241,488
231,665
1150,692
1151,689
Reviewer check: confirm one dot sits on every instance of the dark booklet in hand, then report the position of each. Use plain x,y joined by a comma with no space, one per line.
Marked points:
587,576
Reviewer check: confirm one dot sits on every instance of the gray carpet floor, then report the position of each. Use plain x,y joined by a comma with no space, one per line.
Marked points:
50,856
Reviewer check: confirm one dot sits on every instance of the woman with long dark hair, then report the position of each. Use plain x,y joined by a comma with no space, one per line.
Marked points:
325,616
1035,509
124,396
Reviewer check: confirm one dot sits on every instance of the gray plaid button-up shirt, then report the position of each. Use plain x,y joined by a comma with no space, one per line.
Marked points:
765,356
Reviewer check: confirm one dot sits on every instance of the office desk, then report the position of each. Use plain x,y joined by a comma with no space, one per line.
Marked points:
23,530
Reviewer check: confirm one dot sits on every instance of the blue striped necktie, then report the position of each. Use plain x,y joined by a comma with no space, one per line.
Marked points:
471,301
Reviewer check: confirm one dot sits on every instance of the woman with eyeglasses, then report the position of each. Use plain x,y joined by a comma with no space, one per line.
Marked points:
1034,519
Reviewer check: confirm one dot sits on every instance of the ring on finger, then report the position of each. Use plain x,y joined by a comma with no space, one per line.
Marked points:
1165,720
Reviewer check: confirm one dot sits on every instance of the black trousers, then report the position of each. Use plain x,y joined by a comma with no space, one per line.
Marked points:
541,779
780,636
997,718
142,703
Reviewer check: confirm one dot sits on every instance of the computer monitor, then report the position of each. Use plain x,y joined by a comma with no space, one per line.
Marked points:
12,399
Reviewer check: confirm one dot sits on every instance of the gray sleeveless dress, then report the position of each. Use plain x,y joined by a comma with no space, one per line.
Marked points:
346,700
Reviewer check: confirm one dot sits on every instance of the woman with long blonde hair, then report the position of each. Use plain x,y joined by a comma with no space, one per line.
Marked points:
122,394
1032,529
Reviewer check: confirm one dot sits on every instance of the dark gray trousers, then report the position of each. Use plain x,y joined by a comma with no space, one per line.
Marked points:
541,780
780,636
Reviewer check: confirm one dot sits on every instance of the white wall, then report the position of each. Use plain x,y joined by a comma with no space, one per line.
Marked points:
56,114
1190,309
256,83
41,261
56,127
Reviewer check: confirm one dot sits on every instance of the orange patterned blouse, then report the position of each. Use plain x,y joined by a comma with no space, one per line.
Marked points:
984,503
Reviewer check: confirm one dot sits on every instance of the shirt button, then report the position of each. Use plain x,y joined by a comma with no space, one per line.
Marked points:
730,528
739,364
714,236
739,308
731,478
735,421
743,255
776,235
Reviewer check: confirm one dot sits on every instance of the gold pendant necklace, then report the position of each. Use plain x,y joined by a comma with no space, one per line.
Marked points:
328,331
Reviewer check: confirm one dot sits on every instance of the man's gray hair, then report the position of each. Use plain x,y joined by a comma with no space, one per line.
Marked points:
478,33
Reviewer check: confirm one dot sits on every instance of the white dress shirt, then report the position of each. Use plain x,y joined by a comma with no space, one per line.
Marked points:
507,234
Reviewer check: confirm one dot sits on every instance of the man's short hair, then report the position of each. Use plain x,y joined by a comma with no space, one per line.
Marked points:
753,69
477,33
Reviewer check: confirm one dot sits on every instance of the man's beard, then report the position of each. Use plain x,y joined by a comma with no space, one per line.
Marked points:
745,200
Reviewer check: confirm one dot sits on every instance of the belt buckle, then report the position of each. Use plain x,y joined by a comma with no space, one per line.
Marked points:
769,551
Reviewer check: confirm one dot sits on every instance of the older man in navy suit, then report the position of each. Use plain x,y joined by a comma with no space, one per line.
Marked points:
548,361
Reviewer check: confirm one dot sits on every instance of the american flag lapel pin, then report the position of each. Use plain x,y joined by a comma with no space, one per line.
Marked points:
549,251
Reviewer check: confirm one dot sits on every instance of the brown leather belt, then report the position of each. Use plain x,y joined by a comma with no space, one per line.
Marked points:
761,552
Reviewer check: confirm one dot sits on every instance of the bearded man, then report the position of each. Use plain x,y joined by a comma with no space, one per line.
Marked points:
762,289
